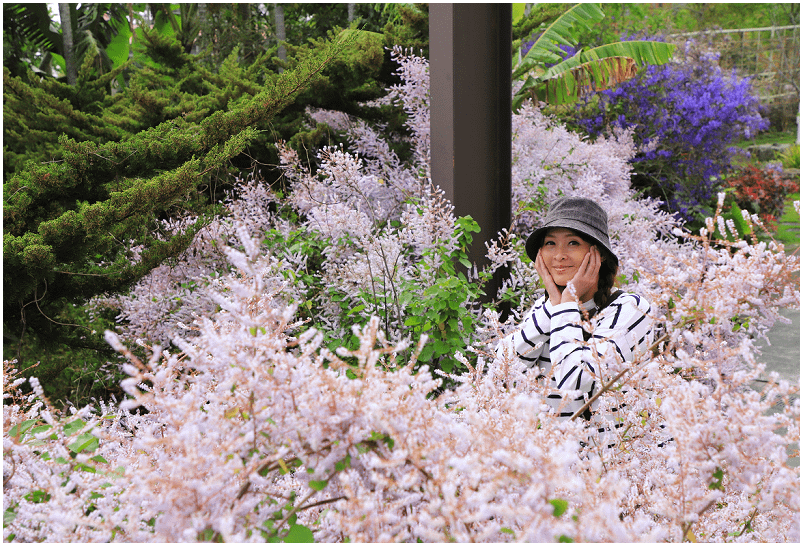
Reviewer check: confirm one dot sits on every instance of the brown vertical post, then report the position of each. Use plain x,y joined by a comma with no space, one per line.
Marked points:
470,64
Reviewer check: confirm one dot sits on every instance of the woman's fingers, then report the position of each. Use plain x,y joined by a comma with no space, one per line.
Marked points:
547,279
595,262
587,278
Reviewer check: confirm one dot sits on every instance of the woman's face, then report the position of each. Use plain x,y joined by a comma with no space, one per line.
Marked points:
563,251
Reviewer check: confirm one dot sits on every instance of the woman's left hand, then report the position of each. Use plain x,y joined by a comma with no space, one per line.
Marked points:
586,281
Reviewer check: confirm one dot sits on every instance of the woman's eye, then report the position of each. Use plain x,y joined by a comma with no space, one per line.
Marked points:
548,243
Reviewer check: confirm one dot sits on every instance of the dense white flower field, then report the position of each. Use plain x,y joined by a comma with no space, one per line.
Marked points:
250,429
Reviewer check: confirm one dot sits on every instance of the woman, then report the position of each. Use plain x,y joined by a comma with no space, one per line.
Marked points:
573,256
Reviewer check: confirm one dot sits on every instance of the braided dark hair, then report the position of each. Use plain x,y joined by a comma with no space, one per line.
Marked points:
608,272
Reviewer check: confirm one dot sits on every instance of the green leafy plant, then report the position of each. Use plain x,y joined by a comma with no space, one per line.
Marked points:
791,157
732,212
442,313
550,78
69,226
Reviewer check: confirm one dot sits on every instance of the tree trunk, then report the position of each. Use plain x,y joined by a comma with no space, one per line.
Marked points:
201,18
244,16
69,48
280,33
351,12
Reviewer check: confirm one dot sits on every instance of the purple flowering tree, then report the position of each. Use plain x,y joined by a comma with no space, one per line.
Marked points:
685,117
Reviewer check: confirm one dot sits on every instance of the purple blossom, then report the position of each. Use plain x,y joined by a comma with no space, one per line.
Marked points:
685,118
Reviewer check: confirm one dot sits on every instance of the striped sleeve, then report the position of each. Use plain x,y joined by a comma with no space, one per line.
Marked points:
622,329
534,330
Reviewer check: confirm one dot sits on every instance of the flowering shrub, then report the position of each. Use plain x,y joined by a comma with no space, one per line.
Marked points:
761,191
685,118
298,404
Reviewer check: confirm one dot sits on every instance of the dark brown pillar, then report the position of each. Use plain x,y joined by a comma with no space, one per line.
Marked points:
470,50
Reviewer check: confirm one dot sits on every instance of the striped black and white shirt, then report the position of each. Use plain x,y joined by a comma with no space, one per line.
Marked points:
570,351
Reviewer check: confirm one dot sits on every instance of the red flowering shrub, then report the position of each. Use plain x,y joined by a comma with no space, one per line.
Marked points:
761,191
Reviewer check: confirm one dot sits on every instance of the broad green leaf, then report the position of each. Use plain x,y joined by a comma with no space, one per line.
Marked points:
716,482
413,320
426,353
74,426
640,53
559,507
84,442
356,309
8,517
441,347
546,49
447,365
343,464
591,76
299,533
21,429
37,496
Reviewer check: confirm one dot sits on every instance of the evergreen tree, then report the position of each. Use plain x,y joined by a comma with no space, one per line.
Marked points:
69,225
410,28
89,174
36,111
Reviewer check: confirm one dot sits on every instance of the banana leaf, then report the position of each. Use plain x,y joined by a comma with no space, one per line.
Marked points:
547,48
592,70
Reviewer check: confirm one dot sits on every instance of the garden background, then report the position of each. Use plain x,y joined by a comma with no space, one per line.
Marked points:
224,258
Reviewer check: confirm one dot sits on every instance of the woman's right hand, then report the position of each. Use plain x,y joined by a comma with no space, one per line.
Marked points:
549,284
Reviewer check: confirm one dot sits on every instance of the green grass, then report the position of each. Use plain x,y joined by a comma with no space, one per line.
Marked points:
789,226
770,137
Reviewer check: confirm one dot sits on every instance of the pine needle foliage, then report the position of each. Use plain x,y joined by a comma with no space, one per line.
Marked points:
36,111
70,225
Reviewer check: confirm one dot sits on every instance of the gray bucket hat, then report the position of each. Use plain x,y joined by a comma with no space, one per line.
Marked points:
576,213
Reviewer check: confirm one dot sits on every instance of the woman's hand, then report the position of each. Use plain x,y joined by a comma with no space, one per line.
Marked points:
553,292
586,280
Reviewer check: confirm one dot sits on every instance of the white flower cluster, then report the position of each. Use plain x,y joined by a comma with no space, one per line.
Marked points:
251,428
171,296
247,419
